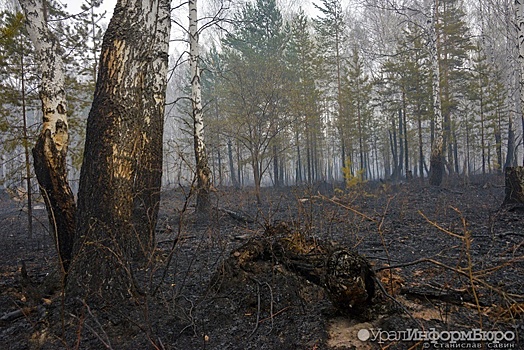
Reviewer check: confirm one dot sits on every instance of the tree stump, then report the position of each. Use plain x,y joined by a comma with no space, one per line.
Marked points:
349,281
514,183
342,274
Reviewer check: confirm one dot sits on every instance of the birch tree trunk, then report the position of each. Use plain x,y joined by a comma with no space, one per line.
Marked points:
202,169
519,20
121,173
437,160
50,150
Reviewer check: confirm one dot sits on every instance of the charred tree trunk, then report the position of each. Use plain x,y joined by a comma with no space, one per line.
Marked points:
510,155
121,173
514,182
51,147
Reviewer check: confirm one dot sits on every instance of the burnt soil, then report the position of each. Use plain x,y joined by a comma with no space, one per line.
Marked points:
451,257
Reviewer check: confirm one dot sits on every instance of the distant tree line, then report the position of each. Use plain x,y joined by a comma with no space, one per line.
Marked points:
291,98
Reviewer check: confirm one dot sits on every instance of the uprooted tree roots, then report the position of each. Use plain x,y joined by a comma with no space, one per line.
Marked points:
297,269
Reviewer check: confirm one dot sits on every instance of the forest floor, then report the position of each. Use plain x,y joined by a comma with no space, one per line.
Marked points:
455,258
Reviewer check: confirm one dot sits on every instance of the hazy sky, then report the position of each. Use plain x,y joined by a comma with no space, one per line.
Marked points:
73,6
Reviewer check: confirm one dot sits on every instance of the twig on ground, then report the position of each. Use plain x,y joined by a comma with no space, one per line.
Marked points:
270,307
457,270
258,310
398,303
13,315
106,342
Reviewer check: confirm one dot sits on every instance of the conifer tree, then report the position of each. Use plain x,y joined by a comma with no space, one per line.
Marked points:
332,32
254,84
18,79
356,101
302,64
454,49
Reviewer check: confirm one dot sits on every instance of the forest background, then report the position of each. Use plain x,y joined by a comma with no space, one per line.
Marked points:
336,91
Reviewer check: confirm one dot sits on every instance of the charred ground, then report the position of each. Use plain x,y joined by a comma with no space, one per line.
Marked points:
456,257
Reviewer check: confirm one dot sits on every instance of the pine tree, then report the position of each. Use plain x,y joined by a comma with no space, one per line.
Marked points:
18,79
254,84
302,61
454,49
356,101
331,34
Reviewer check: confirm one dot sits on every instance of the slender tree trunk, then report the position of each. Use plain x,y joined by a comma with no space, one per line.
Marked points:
360,141
394,152
231,164
401,137
519,14
455,151
255,163
420,144
522,123
239,166
94,39
309,155
202,169
298,175
468,148
276,172
120,180
498,147
406,153
482,142
50,150
26,154
219,160
437,159
510,155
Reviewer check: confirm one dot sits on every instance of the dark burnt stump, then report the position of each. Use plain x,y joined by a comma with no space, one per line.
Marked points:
349,281
514,183
303,266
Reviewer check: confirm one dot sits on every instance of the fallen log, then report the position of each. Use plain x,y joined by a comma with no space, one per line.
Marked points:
242,217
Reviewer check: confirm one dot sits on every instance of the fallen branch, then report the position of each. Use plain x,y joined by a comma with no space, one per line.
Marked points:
14,315
457,270
244,218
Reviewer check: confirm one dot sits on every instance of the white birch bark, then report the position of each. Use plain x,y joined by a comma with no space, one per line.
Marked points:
519,20
52,91
202,169
436,160
50,150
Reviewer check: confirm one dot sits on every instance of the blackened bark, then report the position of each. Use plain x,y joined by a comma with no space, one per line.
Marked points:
51,172
120,179
510,155
514,182
436,171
